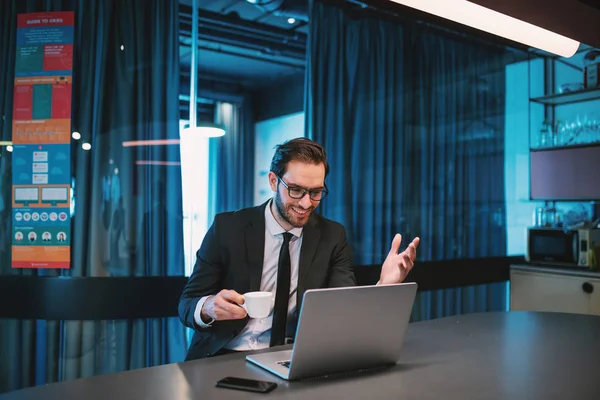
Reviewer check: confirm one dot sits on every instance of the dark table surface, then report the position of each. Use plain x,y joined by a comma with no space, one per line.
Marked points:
514,355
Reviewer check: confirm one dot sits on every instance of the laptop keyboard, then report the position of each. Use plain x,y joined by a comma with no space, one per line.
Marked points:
284,363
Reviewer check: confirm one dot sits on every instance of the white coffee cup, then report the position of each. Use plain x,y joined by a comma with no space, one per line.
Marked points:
258,304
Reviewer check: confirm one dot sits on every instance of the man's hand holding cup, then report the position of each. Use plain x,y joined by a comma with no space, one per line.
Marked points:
230,305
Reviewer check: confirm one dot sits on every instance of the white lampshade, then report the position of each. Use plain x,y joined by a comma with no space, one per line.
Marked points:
205,130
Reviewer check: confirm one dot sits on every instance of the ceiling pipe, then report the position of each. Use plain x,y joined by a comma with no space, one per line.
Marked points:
297,9
228,30
233,23
194,64
206,130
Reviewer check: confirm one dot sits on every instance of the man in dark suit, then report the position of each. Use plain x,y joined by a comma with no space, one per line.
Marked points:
279,246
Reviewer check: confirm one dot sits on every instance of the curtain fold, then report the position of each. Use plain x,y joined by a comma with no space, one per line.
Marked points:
413,124
127,218
231,170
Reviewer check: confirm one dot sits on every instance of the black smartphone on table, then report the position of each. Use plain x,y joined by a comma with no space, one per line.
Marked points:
249,385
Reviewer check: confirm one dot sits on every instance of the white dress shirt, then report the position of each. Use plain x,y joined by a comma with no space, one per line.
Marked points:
257,333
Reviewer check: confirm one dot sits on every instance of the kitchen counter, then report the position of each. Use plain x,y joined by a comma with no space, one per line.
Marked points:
556,270
554,289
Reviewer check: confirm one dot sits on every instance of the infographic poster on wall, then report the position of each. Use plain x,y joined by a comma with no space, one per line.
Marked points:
41,134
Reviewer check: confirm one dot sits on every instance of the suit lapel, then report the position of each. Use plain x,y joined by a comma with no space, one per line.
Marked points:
310,241
255,246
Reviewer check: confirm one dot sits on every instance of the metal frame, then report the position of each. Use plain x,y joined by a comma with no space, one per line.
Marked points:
274,43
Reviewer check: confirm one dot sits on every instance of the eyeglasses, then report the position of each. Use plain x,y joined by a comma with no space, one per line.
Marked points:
299,193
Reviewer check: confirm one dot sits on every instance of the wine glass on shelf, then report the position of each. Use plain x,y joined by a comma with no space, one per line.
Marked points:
577,134
562,130
594,132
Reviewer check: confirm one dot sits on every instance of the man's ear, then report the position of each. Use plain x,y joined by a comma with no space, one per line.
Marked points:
273,181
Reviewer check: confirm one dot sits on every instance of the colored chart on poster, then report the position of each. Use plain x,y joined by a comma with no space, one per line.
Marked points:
42,102
41,135
49,160
44,44
42,98
48,131
40,240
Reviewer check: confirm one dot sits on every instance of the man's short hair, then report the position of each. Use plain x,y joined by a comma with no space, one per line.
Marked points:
298,149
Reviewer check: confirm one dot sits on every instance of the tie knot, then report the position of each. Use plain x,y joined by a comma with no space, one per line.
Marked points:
287,237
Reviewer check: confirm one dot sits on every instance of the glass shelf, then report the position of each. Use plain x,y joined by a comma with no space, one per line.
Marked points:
569,97
565,146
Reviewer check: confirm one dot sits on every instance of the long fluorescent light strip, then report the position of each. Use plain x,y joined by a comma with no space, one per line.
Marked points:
156,142
152,162
484,19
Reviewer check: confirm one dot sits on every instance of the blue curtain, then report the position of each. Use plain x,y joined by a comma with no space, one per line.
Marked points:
231,171
413,122
127,217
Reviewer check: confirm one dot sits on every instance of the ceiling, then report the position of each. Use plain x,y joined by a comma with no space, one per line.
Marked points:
244,44
248,44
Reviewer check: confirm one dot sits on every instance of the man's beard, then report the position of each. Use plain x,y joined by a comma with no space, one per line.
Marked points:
285,214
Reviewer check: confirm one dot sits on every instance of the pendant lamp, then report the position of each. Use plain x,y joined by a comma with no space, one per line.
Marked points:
203,129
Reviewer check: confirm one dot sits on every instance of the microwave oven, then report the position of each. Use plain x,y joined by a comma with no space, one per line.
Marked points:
564,247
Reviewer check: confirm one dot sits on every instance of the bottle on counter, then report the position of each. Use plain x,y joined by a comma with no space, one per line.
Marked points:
539,216
551,216
591,69
545,139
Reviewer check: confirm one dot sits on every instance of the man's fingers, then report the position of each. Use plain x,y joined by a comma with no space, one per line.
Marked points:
407,262
226,310
411,250
416,242
232,296
396,243
226,305
412,247
234,312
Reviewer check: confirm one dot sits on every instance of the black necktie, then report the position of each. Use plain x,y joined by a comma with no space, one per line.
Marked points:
282,295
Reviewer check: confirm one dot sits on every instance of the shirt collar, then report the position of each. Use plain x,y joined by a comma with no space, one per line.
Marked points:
274,227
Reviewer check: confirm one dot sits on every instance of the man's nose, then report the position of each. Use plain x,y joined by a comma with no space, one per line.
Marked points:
305,201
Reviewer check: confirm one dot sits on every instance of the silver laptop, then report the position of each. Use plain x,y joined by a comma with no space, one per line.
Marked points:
343,330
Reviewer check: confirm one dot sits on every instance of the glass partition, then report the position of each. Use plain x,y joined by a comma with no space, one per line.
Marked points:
428,130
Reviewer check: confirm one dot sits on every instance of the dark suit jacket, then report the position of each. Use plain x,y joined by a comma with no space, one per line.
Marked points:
231,257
